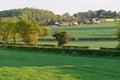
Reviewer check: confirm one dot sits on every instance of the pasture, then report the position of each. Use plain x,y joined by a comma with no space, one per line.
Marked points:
89,31
107,30
33,65
91,44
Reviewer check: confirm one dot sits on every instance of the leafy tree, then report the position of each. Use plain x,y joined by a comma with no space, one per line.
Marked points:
46,31
2,28
65,15
98,14
61,37
59,18
6,25
13,30
101,13
29,31
84,21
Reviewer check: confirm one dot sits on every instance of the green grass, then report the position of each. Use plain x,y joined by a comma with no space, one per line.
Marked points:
31,65
90,31
91,44
87,31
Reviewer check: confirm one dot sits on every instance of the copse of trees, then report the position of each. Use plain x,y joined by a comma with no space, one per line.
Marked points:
7,26
29,13
28,30
98,14
48,18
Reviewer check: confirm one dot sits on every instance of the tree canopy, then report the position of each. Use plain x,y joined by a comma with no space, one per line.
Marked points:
47,18
29,31
98,14
61,37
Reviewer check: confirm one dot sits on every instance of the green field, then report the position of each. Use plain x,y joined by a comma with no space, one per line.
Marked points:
91,44
31,65
89,31
86,31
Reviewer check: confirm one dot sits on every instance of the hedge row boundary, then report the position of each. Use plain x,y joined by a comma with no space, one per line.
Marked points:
68,51
82,39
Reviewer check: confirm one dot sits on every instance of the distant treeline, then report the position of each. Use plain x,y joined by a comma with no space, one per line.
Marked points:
98,14
45,17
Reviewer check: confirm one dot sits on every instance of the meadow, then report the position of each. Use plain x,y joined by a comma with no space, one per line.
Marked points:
91,44
107,30
33,65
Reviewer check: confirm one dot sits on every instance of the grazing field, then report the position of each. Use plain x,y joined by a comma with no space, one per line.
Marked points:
91,44
90,31
86,31
32,65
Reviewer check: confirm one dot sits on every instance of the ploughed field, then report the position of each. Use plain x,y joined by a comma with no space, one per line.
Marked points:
34,65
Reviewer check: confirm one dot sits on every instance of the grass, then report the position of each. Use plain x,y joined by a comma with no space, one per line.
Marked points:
91,44
32,65
90,31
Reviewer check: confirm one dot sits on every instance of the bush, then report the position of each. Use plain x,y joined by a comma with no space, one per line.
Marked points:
68,51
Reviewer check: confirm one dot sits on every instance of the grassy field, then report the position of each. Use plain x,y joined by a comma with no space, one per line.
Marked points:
91,44
31,65
90,31
87,31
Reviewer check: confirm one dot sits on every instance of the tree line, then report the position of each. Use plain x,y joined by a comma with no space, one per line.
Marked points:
46,18
28,30
98,14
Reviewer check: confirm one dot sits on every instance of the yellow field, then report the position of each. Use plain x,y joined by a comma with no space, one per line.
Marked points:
111,20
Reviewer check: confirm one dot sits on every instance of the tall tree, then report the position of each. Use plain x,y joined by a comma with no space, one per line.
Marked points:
29,31
6,25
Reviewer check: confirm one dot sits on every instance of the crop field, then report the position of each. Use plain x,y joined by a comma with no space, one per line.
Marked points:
89,31
32,65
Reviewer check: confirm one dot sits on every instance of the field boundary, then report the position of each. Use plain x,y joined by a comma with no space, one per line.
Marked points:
111,52
81,39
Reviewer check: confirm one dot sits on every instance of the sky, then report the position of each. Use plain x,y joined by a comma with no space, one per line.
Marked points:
62,6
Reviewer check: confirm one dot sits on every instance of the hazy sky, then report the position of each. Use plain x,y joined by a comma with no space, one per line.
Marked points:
62,6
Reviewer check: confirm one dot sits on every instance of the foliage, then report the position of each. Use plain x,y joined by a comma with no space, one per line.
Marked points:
7,30
84,21
71,50
46,31
29,31
46,18
98,14
62,37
